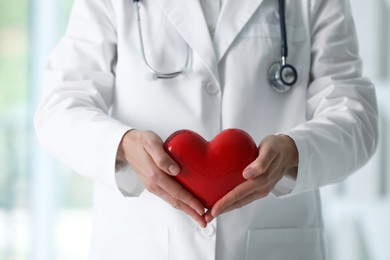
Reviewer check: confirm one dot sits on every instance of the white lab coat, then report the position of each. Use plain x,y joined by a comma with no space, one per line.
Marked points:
96,90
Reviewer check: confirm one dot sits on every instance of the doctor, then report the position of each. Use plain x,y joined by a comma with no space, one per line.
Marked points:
126,75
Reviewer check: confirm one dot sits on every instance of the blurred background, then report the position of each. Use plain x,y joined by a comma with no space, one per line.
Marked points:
45,209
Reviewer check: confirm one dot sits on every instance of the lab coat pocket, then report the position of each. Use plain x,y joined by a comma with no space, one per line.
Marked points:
292,244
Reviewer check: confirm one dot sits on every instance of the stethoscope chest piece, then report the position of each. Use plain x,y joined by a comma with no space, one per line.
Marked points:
282,77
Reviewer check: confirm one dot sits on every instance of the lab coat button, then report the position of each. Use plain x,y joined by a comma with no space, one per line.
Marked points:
209,230
212,88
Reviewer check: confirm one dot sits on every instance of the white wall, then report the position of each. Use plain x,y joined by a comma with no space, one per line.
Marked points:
357,211
372,23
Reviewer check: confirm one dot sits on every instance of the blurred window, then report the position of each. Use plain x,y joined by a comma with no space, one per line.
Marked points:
70,199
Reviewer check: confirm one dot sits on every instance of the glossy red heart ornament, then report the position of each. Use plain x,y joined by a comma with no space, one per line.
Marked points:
209,170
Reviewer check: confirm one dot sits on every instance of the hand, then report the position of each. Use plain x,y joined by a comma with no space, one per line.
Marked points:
278,156
144,151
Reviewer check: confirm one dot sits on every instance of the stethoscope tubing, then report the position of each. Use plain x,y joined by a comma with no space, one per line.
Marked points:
281,75
158,74
283,31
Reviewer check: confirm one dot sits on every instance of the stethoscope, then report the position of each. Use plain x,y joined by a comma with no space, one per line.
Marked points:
281,75
156,74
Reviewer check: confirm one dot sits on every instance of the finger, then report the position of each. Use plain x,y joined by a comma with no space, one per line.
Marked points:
179,193
248,199
177,204
171,186
267,182
154,148
267,155
238,193
208,217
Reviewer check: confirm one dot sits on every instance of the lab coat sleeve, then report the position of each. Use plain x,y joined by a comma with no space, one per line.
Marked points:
72,121
341,133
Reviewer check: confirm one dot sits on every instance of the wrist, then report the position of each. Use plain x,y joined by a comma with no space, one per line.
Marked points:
120,159
288,145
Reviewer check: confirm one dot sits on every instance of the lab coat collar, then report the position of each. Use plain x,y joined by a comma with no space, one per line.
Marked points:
187,16
234,15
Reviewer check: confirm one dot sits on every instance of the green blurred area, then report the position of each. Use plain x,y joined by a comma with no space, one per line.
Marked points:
13,53
14,104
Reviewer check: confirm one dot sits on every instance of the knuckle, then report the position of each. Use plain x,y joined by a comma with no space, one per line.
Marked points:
273,149
259,166
192,201
148,186
263,187
151,187
163,161
149,143
266,183
267,192
258,183
177,195
237,196
155,177
261,194
149,135
239,205
176,204
270,144
270,151
267,188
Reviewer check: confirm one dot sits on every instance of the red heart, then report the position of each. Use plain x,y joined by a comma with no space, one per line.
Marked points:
210,170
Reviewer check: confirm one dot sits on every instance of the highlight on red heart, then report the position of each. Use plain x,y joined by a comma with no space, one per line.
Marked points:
209,170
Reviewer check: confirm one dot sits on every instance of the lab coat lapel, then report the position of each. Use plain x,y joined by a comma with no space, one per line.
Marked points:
187,16
234,15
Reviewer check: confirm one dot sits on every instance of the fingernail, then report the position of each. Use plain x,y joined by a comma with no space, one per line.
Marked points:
200,212
173,169
248,174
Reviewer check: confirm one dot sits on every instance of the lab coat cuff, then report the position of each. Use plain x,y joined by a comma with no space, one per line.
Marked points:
114,142
284,186
125,179
128,182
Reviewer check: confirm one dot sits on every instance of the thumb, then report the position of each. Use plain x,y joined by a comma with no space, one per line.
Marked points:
267,154
161,158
